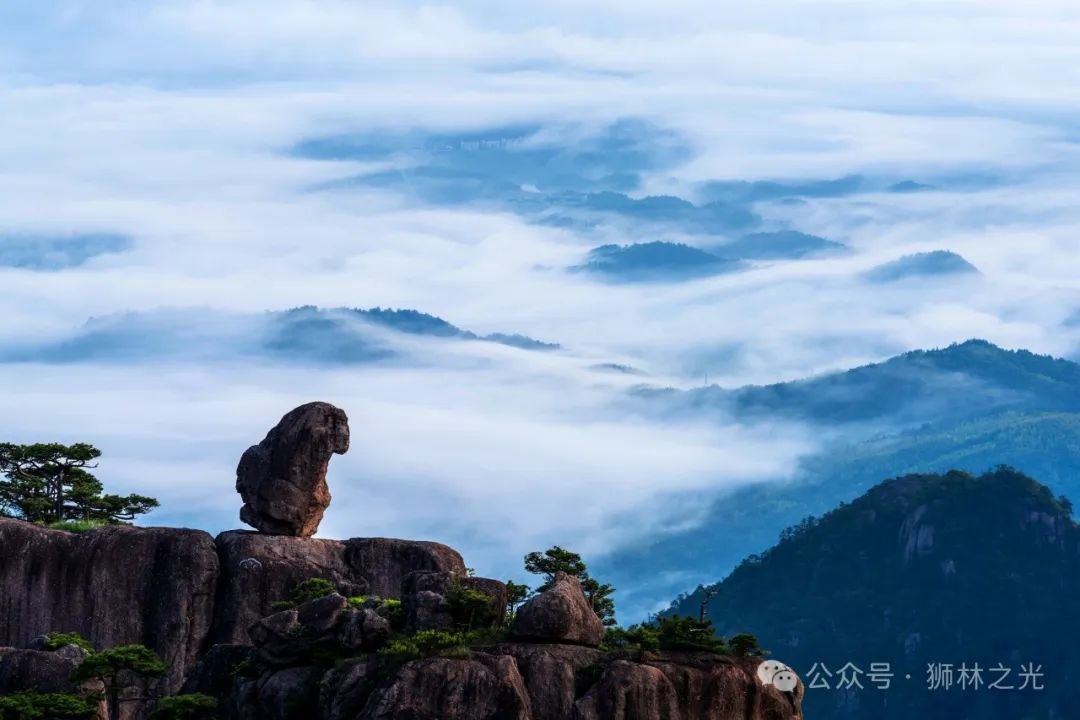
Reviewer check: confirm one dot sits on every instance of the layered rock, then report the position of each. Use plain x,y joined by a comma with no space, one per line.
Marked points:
114,586
282,480
560,614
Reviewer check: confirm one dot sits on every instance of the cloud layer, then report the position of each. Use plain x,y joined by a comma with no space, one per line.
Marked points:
186,128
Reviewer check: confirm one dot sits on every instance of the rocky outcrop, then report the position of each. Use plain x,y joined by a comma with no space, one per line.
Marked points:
514,681
426,600
327,627
258,570
282,480
384,563
113,585
560,614
485,688
40,670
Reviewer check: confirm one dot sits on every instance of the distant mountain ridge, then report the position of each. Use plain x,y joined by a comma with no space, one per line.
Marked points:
922,569
302,334
908,385
921,265
655,261
970,406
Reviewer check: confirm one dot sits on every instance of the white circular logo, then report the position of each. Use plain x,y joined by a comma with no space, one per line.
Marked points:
777,674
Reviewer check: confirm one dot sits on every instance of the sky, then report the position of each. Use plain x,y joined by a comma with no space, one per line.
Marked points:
157,164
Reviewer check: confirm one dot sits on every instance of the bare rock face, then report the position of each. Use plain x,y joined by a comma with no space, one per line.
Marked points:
258,570
39,670
487,688
113,585
282,480
560,614
520,681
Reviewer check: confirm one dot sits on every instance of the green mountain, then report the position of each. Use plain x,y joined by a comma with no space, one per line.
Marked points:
970,406
926,264
920,571
782,244
654,261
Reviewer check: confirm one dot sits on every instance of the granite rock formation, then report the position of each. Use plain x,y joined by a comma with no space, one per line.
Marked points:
258,570
560,614
509,681
114,585
282,480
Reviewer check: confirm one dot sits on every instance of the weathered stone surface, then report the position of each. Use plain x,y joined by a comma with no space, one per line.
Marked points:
327,627
291,694
425,596
362,630
560,614
39,670
346,689
258,570
629,691
519,681
444,689
384,563
282,480
553,674
113,585
218,669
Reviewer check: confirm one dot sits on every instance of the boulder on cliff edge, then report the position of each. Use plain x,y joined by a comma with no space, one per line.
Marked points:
560,614
282,480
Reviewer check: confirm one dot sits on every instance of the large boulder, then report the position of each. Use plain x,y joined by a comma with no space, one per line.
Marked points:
113,585
258,570
282,480
560,614
40,670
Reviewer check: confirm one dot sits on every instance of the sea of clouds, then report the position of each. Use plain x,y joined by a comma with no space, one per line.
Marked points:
175,126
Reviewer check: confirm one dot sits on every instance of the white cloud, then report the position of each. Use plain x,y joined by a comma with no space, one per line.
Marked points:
168,122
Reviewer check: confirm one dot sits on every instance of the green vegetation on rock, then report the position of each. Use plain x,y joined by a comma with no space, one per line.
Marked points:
193,706
56,640
30,705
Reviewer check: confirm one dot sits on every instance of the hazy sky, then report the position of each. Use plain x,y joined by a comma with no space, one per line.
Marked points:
173,124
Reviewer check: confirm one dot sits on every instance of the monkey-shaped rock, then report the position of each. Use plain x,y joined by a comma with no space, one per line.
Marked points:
282,480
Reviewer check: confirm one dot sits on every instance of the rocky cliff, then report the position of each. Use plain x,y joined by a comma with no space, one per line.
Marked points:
206,607
397,630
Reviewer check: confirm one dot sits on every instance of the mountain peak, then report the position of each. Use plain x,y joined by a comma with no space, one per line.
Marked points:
921,265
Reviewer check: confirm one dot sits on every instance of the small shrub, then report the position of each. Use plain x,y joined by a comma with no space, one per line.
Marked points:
195,706
394,612
78,526
428,643
30,705
358,601
310,589
470,608
57,640
746,645
666,633
107,664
